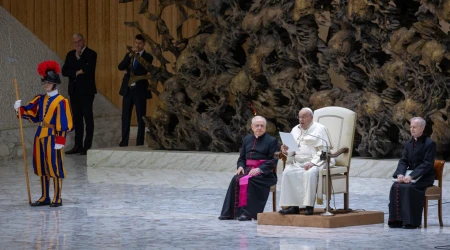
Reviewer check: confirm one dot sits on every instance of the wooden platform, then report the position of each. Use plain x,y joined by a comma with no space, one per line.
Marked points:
354,218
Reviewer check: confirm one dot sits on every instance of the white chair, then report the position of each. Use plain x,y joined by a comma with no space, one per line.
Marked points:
341,124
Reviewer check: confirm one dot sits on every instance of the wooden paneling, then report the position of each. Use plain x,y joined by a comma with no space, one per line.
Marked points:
30,15
101,22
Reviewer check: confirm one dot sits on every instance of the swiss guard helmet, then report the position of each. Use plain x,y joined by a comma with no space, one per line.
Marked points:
49,72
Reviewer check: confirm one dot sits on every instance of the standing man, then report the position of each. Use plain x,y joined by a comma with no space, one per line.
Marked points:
301,183
134,93
407,195
52,111
80,68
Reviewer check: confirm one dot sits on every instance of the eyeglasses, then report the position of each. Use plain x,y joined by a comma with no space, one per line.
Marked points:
259,125
303,117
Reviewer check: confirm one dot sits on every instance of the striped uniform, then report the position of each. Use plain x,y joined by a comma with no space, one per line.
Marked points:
55,120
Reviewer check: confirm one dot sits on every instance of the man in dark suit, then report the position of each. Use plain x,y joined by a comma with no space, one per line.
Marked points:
134,93
80,68
415,172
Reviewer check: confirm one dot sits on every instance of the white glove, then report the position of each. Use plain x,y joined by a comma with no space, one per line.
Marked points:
58,146
17,105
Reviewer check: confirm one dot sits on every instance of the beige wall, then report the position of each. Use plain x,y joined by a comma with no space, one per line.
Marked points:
101,22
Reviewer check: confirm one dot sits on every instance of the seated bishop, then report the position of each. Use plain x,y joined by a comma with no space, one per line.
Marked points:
250,186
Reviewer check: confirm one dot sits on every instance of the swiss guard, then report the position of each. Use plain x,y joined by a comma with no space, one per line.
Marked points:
52,112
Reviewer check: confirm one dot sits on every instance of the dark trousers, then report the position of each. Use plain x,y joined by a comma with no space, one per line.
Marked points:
130,100
82,106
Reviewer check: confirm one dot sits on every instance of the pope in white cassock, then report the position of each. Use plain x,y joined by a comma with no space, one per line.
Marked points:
300,184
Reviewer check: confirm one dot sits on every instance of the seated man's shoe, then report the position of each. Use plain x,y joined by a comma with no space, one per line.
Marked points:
409,226
225,218
40,203
395,224
74,150
290,210
244,218
309,210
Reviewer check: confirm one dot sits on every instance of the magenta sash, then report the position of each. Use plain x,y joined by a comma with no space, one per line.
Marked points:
243,181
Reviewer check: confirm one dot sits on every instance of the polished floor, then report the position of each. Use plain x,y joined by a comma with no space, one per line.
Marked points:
110,208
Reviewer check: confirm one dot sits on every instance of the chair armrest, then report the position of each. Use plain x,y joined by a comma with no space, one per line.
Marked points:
280,156
338,153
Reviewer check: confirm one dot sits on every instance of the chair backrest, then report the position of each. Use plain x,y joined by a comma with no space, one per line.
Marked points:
341,124
439,169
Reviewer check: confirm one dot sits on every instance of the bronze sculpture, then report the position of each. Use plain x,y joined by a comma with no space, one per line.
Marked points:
267,56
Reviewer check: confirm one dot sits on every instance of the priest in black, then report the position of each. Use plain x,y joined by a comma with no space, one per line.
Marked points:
250,187
407,194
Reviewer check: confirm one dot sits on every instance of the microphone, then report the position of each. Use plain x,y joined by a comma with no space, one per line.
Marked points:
326,142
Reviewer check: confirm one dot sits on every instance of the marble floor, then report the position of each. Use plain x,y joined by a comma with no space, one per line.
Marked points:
110,208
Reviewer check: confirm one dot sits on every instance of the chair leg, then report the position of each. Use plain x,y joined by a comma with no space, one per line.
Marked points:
425,213
346,200
274,201
346,195
440,212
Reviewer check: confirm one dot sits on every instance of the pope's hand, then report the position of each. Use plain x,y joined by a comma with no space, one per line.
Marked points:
308,165
17,105
284,149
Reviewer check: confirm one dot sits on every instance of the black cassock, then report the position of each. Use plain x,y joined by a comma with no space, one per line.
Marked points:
261,148
406,201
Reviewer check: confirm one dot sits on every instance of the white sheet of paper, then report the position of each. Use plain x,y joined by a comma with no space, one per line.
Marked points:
289,141
408,172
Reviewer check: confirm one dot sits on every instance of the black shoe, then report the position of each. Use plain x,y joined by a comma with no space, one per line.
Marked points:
309,210
55,204
40,203
290,210
83,152
74,150
409,226
395,224
225,218
244,218
122,144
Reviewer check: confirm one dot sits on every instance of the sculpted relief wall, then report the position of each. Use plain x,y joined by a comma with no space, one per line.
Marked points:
266,57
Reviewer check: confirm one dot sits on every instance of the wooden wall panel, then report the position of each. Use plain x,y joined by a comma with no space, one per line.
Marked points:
30,15
75,17
121,49
83,21
6,4
52,26
37,20
68,27
102,24
45,22
114,53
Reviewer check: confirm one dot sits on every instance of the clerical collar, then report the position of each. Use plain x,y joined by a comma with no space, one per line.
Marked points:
52,93
260,136
420,138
